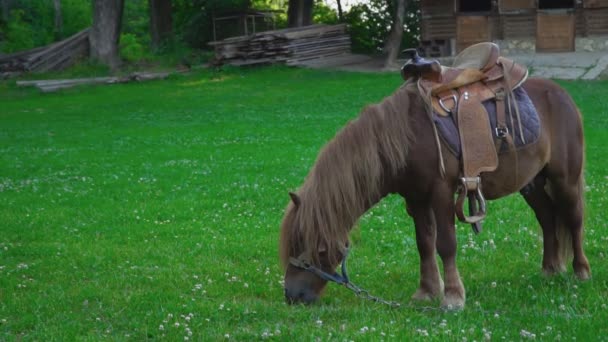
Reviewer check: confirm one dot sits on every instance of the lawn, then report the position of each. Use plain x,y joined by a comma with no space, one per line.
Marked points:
152,211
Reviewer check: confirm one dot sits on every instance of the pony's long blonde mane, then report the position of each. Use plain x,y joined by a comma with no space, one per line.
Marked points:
347,178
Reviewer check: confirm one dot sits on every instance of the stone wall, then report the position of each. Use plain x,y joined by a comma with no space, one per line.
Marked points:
591,44
526,46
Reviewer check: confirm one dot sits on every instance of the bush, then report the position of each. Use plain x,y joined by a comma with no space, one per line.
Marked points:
19,35
77,15
130,49
32,23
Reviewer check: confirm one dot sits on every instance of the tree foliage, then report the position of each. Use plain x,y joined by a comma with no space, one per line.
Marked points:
30,23
370,24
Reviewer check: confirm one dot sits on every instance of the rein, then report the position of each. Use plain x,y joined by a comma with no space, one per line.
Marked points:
340,279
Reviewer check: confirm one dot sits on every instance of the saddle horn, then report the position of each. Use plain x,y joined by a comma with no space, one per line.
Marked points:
417,67
411,54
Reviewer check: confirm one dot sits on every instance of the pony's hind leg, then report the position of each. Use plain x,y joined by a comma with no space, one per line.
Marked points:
546,214
568,198
431,284
565,178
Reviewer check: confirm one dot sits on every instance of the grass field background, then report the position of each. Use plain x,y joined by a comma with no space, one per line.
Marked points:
152,211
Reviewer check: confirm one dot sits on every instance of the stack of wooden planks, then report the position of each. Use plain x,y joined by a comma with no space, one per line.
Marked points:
293,46
56,56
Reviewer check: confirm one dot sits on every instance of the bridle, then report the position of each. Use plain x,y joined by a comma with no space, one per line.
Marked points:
341,279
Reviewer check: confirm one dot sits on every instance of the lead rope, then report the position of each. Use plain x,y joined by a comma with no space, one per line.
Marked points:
342,279
364,294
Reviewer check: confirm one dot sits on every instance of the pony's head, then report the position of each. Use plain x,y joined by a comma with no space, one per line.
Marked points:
348,177
302,245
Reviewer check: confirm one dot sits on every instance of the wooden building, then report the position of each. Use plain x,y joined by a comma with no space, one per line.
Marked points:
448,26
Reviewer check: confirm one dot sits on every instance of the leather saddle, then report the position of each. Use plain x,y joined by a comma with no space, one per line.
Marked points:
478,74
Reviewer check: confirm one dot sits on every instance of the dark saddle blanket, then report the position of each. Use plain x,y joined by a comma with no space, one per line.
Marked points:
530,125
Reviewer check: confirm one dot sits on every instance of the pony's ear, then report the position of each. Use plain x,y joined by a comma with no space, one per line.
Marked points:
295,198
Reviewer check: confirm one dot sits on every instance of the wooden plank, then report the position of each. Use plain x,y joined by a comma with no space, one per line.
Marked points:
54,85
596,21
437,8
518,26
55,56
281,45
555,32
438,28
595,3
516,6
471,29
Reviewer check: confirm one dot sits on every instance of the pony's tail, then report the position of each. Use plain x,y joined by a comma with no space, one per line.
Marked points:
564,243
563,231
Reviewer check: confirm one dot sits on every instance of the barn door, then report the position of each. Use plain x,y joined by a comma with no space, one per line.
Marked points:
473,24
555,26
554,32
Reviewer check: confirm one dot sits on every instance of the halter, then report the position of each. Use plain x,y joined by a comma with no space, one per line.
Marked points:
340,279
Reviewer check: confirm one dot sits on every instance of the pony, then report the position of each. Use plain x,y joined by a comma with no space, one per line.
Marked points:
390,148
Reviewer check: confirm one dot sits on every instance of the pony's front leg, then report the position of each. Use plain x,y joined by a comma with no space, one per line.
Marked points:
431,284
443,207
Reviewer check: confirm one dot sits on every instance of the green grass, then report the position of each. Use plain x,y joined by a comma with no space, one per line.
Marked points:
152,211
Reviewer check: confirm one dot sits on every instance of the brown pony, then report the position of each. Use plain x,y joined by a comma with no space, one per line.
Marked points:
391,148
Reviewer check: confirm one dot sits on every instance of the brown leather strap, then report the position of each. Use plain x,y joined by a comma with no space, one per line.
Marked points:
502,131
471,188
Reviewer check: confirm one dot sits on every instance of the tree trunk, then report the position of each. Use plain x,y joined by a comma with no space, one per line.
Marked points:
340,12
299,13
393,43
105,32
58,20
161,21
6,9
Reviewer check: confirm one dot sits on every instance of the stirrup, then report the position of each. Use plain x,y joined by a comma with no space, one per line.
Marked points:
477,203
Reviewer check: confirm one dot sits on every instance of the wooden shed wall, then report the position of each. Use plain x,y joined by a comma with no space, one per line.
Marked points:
596,21
512,19
432,28
518,25
510,6
595,3
437,7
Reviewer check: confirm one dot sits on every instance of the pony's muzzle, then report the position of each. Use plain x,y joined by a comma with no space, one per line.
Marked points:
300,296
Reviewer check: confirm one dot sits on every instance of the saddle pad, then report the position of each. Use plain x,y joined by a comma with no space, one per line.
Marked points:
446,125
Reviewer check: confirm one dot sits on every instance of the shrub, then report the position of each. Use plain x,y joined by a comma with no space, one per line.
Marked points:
19,34
130,49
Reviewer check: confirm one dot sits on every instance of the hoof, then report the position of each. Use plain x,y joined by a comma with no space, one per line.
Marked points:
582,269
424,296
551,270
453,301
583,274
